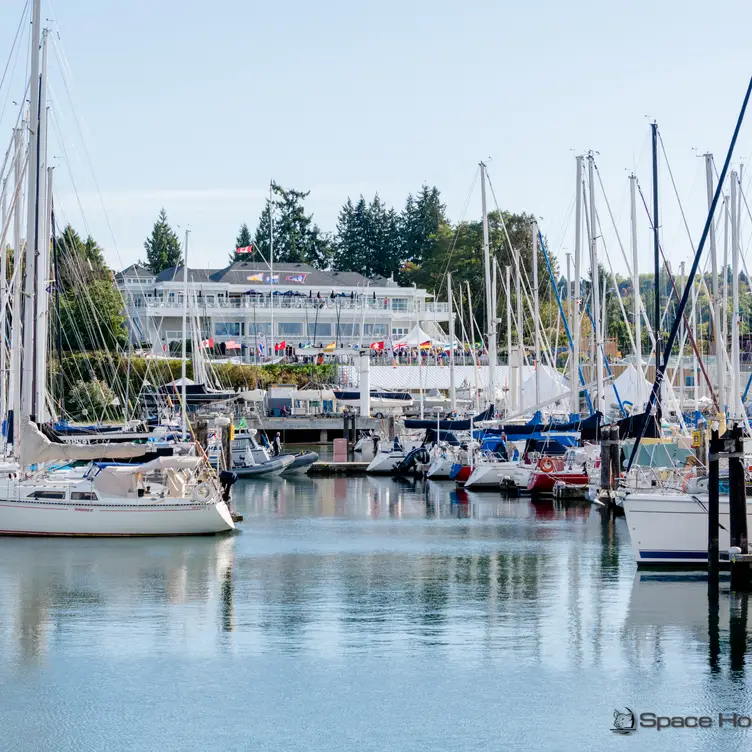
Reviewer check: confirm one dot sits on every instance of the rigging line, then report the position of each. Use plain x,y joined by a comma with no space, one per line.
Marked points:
690,282
525,280
15,62
459,228
687,326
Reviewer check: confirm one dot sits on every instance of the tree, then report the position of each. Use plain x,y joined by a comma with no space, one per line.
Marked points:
80,262
296,237
421,219
92,317
162,246
242,241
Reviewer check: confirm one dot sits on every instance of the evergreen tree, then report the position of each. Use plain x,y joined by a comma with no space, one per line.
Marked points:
162,246
297,238
79,261
421,220
242,241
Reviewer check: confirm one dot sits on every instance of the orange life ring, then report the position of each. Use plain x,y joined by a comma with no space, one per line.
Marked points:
546,465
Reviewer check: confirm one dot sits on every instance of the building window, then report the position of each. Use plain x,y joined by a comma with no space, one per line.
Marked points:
320,329
398,331
374,330
399,304
259,329
290,328
347,330
227,329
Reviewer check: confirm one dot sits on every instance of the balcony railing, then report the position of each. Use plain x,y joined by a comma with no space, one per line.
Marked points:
249,303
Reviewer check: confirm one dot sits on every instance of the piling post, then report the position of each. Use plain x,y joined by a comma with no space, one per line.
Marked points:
716,446
740,579
615,456
605,435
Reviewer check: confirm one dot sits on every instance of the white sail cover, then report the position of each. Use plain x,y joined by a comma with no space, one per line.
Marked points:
35,448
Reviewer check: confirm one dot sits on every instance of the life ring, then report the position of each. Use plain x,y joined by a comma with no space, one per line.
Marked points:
203,492
546,465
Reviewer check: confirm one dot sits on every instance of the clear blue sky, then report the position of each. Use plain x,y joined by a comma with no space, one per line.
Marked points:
195,106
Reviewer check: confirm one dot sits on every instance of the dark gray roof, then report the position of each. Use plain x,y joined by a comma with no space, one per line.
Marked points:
135,270
241,273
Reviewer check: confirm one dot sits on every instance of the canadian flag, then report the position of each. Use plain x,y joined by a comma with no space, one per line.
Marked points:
244,249
208,342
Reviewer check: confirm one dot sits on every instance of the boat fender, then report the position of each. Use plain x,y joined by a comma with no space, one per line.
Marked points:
203,491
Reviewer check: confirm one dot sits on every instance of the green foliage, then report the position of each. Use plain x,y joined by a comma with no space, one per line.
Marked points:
92,317
80,262
296,237
91,400
162,246
243,240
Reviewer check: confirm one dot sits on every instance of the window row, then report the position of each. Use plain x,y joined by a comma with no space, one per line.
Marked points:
298,329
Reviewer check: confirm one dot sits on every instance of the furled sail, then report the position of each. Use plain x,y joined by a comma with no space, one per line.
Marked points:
35,448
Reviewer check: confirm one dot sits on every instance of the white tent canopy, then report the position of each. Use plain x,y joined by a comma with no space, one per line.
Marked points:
552,384
633,389
415,337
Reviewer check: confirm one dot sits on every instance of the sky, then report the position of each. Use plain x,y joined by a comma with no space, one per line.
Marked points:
195,106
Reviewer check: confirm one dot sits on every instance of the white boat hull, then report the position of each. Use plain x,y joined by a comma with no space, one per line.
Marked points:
672,528
385,462
439,468
489,475
70,518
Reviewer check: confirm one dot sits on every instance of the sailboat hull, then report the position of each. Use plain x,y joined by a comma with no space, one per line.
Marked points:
64,518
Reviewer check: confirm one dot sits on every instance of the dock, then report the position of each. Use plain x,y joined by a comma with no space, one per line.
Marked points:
331,469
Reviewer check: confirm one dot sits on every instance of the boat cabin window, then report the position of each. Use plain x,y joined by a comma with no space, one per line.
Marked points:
83,496
46,495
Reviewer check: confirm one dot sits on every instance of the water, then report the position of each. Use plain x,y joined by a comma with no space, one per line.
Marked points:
361,614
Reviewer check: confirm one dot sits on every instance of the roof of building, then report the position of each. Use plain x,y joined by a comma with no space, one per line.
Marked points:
135,270
249,273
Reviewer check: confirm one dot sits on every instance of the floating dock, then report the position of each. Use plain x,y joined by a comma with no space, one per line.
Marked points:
329,469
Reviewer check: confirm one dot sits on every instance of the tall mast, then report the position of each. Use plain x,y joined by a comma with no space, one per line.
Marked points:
15,337
723,396
536,315
717,328
32,217
272,349
490,311
735,364
511,383
520,332
636,291
4,302
183,375
595,296
656,265
452,386
682,339
472,343
575,361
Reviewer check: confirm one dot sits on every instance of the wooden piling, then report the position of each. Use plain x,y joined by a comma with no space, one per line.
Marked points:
716,447
615,456
740,580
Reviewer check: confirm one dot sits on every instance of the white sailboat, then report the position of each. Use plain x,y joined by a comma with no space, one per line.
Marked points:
167,496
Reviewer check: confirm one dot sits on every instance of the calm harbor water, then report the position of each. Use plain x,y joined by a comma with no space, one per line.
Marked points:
368,614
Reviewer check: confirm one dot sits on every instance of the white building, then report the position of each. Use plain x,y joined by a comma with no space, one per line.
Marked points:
301,305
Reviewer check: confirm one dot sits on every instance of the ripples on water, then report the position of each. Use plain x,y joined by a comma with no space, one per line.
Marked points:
361,614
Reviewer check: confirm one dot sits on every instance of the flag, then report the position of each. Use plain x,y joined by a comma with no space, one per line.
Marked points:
425,345
280,346
258,277
377,346
244,249
261,349
208,342
300,278
330,347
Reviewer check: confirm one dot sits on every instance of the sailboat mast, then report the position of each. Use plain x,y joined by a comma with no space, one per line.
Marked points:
272,347
490,311
511,383
574,379
32,215
183,375
636,290
717,328
536,313
735,364
595,297
452,385
656,264
15,336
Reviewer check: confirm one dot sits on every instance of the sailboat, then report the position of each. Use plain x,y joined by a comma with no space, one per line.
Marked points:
166,496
